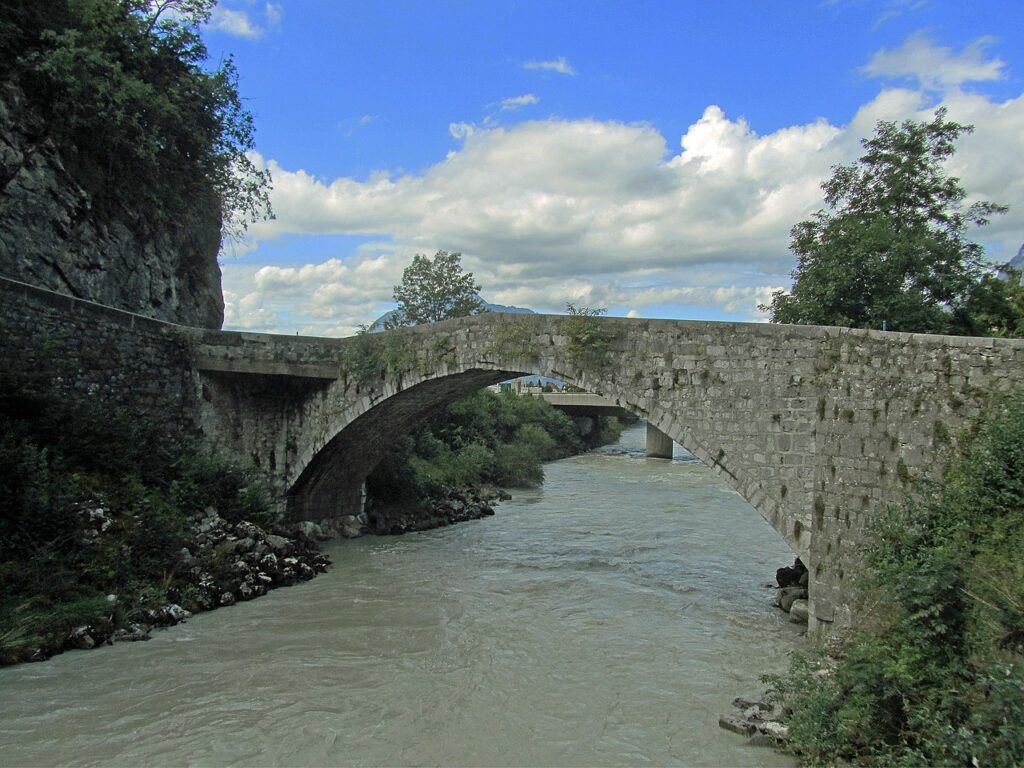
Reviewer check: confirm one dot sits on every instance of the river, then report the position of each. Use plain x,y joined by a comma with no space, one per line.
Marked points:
607,618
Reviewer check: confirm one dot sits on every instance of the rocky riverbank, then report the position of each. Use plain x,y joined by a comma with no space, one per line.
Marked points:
454,505
760,717
224,562
792,592
221,564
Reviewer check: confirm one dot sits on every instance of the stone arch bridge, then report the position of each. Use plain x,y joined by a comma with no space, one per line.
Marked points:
818,428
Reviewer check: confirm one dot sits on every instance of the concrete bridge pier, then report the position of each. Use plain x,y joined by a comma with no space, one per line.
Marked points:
659,445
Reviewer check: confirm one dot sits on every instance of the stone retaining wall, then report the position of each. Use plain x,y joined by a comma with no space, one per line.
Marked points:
86,350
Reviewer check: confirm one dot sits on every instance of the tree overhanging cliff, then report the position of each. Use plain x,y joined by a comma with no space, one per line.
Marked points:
122,157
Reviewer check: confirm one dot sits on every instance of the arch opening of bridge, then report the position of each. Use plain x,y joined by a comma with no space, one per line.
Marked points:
333,479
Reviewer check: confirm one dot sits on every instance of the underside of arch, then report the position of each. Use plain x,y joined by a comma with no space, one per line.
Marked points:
331,484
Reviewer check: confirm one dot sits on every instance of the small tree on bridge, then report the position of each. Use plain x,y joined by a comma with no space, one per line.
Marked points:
435,289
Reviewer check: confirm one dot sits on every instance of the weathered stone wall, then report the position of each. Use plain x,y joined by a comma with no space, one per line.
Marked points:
88,351
818,428
54,233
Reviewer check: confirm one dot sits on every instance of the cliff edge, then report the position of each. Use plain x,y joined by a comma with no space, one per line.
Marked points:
56,234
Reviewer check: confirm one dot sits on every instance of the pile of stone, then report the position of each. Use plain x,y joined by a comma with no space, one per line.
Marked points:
228,562
345,526
222,563
759,719
454,505
792,591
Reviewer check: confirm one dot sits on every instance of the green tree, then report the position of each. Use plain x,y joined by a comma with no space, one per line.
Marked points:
892,249
435,289
996,306
121,88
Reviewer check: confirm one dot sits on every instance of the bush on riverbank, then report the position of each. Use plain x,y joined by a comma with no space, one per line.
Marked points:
485,439
934,674
95,502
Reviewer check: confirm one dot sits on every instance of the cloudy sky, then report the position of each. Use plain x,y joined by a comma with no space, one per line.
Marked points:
646,157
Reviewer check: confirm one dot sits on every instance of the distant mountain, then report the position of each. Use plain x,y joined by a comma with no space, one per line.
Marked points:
378,324
1017,262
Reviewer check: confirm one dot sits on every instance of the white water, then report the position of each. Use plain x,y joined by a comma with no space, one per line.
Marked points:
606,619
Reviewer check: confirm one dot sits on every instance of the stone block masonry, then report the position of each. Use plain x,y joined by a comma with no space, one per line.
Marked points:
86,351
818,428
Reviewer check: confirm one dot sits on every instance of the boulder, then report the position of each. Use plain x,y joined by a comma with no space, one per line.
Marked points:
736,725
133,633
798,612
790,575
788,595
310,530
81,637
774,729
279,544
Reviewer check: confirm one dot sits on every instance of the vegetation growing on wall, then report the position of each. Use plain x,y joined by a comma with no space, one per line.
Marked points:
369,357
590,341
122,90
514,338
934,672
96,503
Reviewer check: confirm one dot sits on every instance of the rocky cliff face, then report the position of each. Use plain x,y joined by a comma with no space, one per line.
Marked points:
53,234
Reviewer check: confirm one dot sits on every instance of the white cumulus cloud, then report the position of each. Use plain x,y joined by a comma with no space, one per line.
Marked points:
243,22
936,67
559,65
235,22
518,102
603,213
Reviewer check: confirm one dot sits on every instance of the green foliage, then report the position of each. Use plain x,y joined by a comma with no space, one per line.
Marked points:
96,502
995,307
893,247
369,357
590,340
398,352
514,338
935,673
122,90
501,439
435,289
363,356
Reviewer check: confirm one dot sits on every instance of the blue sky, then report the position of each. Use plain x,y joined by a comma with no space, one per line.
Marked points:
648,157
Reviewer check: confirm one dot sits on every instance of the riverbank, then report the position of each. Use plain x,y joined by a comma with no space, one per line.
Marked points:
220,564
111,525
606,618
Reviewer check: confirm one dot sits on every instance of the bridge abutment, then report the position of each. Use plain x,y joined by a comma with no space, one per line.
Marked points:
658,444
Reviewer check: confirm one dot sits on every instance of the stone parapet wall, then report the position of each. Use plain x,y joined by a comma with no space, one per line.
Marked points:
84,350
818,428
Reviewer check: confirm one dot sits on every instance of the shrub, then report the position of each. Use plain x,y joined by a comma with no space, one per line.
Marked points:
590,340
935,673
94,502
483,438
